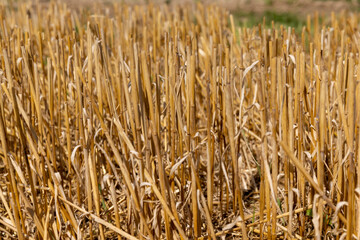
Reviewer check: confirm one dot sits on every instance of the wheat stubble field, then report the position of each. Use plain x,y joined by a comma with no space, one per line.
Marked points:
163,122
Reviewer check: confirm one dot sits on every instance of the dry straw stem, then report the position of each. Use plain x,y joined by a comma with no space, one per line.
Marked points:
158,121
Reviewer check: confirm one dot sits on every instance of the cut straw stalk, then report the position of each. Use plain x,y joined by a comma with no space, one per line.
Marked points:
85,97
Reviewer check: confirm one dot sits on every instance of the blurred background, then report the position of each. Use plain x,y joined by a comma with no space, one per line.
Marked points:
289,13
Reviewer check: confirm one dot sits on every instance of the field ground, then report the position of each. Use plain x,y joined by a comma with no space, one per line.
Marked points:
165,122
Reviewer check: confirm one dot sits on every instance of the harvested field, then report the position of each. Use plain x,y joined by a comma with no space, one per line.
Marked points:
165,122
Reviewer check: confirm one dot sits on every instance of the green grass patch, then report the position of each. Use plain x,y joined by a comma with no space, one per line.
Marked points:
249,19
